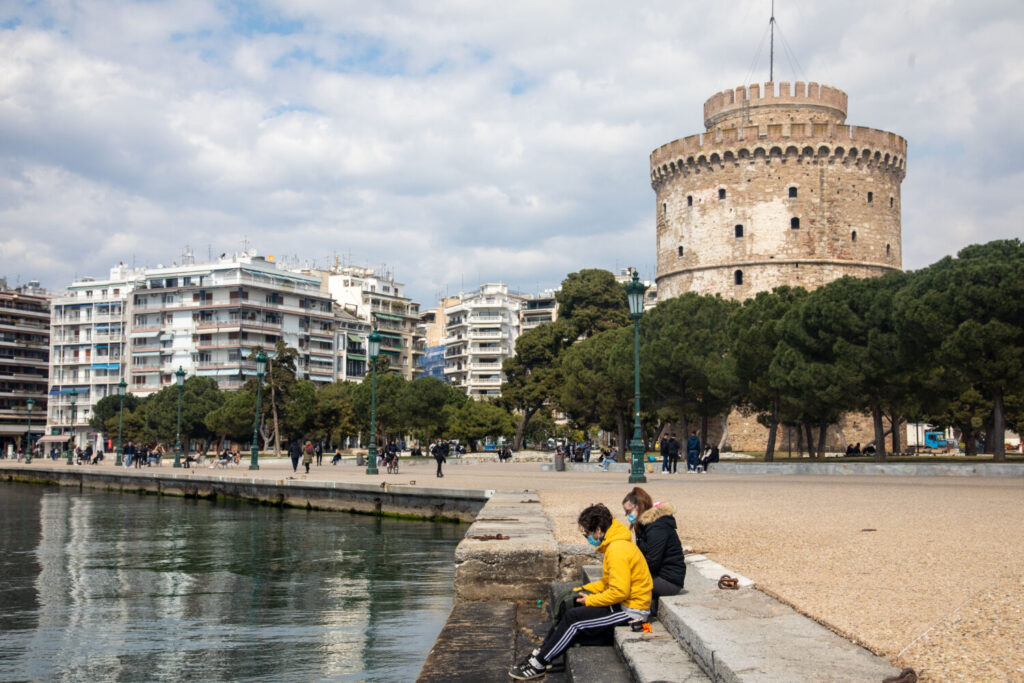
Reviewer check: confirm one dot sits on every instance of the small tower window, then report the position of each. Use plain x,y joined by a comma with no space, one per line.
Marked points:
792,193
721,193
664,208
871,197
689,200
738,277
853,236
794,223
887,248
890,202
739,231
680,250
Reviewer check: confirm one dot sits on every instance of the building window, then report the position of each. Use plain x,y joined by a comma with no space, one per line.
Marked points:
689,200
853,236
738,277
792,193
721,193
794,223
739,231
680,253
890,202
664,210
871,197
887,250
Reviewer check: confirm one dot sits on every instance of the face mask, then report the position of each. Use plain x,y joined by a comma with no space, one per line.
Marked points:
631,518
593,541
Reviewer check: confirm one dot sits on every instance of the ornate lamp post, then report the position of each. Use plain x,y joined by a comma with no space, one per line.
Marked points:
373,341
28,453
179,376
122,387
71,445
261,368
635,293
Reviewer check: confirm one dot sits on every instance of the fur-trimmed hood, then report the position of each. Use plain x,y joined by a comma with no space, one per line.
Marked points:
657,512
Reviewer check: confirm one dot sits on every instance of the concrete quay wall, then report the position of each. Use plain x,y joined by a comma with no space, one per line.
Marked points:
895,469
392,500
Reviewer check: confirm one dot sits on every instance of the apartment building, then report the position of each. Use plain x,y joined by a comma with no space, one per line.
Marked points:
208,318
88,337
350,342
24,361
537,309
481,333
377,299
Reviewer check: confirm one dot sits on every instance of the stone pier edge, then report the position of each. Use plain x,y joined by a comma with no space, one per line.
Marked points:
388,500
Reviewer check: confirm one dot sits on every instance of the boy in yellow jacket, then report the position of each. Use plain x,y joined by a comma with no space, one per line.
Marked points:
622,594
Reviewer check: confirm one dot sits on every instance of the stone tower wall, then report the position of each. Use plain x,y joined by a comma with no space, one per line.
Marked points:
727,200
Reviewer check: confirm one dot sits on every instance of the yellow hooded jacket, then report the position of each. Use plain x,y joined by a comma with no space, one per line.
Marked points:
624,578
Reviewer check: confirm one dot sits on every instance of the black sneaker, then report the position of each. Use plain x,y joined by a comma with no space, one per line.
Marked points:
527,671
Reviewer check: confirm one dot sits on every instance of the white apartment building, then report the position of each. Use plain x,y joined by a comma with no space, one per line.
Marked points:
208,318
350,342
88,328
24,362
538,309
378,300
481,333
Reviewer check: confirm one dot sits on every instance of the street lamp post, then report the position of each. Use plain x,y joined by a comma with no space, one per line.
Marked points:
635,293
122,387
373,341
28,452
179,376
261,367
71,445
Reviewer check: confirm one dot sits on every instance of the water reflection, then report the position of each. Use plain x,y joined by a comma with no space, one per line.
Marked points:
99,586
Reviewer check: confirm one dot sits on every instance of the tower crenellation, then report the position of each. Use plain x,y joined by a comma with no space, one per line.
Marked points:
779,189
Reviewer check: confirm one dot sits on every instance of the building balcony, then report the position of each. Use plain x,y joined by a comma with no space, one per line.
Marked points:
480,382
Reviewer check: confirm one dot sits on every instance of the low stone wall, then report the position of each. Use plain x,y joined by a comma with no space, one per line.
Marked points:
895,469
393,500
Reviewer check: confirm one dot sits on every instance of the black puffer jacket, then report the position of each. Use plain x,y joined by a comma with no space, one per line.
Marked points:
657,539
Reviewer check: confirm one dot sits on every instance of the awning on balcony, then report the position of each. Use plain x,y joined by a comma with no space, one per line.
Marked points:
53,438
354,338
144,354
355,356
143,335
385,316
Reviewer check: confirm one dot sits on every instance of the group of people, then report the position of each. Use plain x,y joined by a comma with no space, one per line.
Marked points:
855,450
695,461
575,451
641,563
135,455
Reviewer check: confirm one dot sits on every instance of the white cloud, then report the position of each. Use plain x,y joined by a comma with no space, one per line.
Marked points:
456,141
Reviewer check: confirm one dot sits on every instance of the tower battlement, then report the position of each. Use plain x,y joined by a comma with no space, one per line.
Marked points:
748,105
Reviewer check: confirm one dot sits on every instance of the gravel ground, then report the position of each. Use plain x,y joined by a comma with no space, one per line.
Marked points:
927,571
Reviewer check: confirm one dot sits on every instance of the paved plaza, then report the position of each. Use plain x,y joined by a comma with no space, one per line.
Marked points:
930,569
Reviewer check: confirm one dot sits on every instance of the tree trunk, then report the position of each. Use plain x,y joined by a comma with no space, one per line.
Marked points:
517,442
970,442
725,431
897,420
273,408
809,433
703,433
684,429
822,435
773,428
620,423
876,417
998,429
799,440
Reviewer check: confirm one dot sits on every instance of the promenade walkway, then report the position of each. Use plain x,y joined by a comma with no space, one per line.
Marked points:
929,569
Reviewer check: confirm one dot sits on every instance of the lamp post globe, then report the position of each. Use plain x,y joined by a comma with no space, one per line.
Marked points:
30,404
122,387
71,443
635,294
261,369
373,346
179,377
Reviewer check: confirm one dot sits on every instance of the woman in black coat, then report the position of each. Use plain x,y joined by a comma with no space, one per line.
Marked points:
655,530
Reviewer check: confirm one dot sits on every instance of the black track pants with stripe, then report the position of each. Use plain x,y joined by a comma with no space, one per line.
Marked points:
590,619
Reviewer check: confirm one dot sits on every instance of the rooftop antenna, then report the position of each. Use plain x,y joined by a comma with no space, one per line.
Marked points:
771,51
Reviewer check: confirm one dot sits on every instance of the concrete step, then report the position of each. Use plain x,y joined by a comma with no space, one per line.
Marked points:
476,644
593,663
744,635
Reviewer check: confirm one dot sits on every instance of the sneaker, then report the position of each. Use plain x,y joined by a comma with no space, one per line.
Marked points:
528,670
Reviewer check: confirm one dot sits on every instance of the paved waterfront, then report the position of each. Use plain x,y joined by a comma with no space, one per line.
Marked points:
940,578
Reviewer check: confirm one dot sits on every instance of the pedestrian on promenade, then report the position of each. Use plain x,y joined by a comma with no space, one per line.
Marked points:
692,452
607,459
622,594
294,452
673,454
337,455
654,527
663,447
440,453
319,454
307,456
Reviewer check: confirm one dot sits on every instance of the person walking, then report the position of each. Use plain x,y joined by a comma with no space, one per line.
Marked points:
319,454
673,454
307,456
439,451
663,447
692,452
294,452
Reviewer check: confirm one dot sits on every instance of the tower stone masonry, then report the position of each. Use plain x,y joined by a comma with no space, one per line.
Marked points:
777,191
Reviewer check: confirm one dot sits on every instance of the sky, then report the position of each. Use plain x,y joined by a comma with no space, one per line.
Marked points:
457,142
